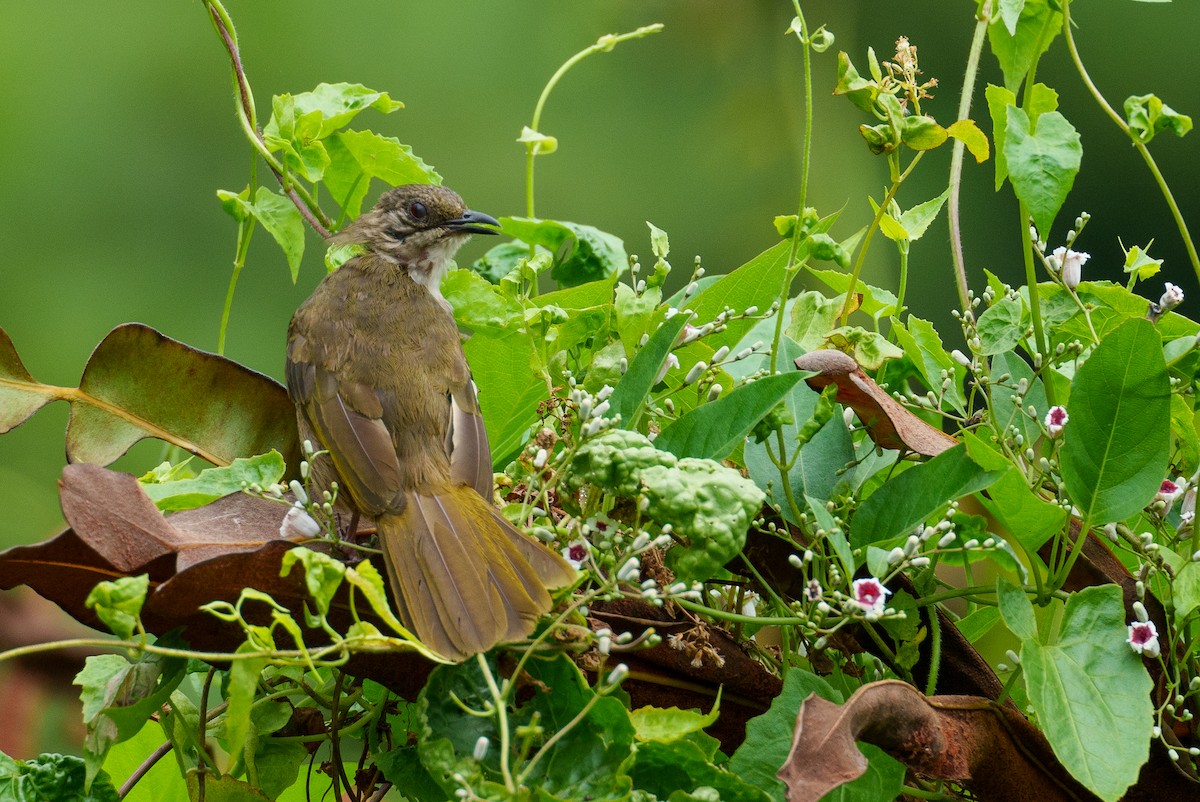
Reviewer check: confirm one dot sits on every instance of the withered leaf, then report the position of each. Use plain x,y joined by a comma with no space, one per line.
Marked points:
888,423
139,383
991,750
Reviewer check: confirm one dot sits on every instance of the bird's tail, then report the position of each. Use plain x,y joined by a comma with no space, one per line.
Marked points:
463,577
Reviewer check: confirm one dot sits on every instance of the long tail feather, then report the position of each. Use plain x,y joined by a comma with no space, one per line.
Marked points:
464,578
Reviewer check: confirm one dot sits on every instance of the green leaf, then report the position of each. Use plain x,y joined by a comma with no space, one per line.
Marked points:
1028,518
582,253
1186,590
162,783
1091,693
815,472
998,101
243,683
1010,13
858,90
811,317
52,778
1139,261
119,696
635,385
509,388
1147,116
663,769
671,723
499,261
876,302
358,156
923,346
280,217
922,133
1016,609
479,305
917,219
756,283
537,143
967,132
979,623
870,349
897,507
1116,444
713,430
213,483
325,109
1016,50
1000,328
1043,159
402,768
889,226
202,402
119,603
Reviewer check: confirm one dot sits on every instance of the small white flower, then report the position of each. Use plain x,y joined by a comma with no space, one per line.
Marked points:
576,552
1168,491
672,362
812,591
1172,297
1071,264
1056,419
298,524
1143,638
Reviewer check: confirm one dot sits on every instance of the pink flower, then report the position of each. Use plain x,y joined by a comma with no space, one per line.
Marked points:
1168,491
1143,638
1056,419
870,594
812,591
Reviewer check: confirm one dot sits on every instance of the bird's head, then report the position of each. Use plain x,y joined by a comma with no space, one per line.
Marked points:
418,226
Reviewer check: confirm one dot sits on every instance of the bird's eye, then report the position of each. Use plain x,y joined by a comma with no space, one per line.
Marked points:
417,210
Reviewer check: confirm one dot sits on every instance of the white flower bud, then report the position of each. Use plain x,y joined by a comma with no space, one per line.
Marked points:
481,747
721,353
298,491
695,373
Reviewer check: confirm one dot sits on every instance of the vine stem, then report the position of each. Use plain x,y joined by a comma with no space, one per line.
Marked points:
303,201
602,45
158,754
1180,223
805,160
866,243
956,156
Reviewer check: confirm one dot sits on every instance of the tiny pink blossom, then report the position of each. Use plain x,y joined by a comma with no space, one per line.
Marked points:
1168,491
870,594
1056,419
671,362
1143,638
812,591
575,553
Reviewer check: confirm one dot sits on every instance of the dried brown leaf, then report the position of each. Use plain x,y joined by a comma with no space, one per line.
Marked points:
991,750
888,423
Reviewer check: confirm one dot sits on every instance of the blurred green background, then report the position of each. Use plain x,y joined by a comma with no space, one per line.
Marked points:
118,128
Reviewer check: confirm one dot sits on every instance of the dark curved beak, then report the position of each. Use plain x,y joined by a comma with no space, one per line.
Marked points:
473,222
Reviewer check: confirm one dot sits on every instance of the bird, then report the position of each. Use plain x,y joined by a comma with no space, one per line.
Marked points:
376,369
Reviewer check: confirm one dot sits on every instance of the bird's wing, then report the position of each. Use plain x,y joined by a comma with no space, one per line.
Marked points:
347,418
467,442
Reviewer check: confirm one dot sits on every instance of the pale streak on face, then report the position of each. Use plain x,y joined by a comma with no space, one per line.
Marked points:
433,263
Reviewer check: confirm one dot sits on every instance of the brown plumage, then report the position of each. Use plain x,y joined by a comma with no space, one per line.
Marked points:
376,369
